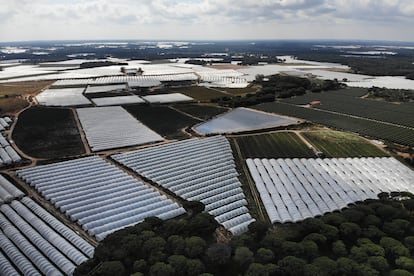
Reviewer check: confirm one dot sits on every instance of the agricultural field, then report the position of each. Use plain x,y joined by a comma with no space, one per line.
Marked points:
239,91
376,129
340,144
22,88
203,112
48,133
162,119
12,105
348,101
273,145
199,93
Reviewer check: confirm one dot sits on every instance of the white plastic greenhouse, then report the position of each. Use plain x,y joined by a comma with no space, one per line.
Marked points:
295,189
196,169
97,195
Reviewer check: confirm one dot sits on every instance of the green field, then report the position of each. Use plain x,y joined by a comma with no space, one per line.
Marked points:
340,144
48,133
203,112
274,145
162,119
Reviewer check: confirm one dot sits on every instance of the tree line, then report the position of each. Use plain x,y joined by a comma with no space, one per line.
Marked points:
375,237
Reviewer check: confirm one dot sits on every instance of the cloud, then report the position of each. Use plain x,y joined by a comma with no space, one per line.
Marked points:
183,18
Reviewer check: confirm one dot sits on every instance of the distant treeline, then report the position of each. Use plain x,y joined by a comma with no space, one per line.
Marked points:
400,65
279,86
391,95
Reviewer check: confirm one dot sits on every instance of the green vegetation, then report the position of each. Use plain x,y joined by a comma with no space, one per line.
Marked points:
278,86
371,238
340,144
391,95
376,129
273,145
348,101
48,133
162,119
203,112
398,65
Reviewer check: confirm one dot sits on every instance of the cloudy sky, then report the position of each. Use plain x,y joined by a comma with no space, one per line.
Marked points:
22,20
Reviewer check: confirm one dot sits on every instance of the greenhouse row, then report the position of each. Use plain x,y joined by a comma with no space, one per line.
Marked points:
8,154
117,100
5,123
114,127
8,191
167,98
132,81
295,189
105,88
33,242
97,195
197,170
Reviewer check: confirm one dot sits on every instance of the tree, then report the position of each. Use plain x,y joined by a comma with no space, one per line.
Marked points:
378,263
349,231
371,220
400,272
264,255
330,232
339,249
202,225
290,248
405,263
179,263
326,265
176,244
333,219
160,269
195,207
409,243
219,253
195,267
292,265
310,250
243,255
258,229
154,244
140,266
194,246
111,268
353,215
272,269
311,225
256,269
393,248
319,239
311,270
372,233
346,266
358,254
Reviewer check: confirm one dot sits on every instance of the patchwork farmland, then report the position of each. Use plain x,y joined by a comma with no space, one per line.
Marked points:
131,161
